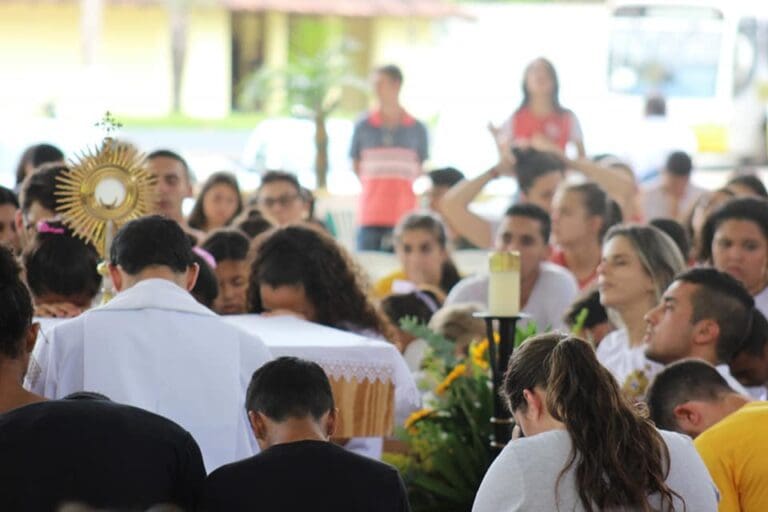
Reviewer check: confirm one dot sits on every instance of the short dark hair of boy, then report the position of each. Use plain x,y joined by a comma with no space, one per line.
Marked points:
289,387
681,382
273,176
149,241
167,153
227,244
723,299
393,72
534,212
679,164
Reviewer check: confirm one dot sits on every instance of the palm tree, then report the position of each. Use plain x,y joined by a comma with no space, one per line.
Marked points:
312,87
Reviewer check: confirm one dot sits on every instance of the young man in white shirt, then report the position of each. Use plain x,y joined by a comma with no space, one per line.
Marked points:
704,314
546,289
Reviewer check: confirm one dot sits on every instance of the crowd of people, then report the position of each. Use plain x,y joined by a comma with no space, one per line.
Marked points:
131,404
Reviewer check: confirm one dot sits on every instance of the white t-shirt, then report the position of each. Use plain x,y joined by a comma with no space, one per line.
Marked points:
761,301
524,476
656,203
628,365
553,293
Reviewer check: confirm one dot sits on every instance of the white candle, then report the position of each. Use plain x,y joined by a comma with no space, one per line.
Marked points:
504,283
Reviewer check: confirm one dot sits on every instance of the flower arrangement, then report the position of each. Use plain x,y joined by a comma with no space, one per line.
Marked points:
448,440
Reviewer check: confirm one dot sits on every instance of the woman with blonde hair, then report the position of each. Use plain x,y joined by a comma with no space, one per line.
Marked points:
638,264
586,448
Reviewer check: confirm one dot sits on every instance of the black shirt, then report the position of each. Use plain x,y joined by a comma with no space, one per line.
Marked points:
95,452
306,476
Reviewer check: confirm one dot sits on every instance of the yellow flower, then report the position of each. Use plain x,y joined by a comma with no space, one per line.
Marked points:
417,416
458,371
478,352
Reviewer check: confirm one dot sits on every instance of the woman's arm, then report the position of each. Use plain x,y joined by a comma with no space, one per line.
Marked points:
454,206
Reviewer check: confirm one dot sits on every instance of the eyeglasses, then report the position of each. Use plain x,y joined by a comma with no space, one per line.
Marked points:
284,200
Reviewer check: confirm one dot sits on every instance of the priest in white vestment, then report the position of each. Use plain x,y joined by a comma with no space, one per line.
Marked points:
153,346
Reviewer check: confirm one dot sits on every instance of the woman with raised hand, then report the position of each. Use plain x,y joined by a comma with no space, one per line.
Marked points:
586,448
541,120
638,263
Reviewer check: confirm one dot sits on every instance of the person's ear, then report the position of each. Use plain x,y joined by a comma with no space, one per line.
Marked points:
18,220
689,419
191,279
706,331
31,337
534,408
116,276
547,253
331,422
258,425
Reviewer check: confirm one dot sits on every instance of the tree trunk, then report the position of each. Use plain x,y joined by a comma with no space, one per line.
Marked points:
179,21
91,14
321,151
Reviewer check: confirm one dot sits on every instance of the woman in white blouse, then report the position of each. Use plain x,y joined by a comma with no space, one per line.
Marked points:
586,447
638,264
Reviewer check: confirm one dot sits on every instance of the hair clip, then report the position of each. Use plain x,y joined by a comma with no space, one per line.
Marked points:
208,257
44,227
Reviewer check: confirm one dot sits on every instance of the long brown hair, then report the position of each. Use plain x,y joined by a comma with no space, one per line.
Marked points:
619,455
333,283
425,221
197,217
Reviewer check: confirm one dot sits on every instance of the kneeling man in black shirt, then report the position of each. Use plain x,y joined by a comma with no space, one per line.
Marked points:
292,413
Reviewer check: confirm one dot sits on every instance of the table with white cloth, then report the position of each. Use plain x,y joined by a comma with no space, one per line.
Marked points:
372,386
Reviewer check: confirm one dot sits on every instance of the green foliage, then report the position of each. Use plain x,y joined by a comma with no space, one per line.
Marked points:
449,439
311,83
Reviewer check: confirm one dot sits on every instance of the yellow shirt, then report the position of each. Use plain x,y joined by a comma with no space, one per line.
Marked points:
383,286
735,451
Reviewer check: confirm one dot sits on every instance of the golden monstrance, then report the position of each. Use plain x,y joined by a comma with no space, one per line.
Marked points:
104,188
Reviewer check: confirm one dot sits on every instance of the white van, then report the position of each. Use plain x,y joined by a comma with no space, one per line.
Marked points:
709,59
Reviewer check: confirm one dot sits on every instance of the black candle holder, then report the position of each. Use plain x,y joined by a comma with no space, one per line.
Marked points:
501,422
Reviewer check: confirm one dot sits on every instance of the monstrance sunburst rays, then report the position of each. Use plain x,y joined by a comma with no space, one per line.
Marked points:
103,189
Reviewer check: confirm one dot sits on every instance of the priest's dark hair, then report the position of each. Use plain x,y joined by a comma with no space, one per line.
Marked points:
289,387
57,262
227,244
149,241
206,287
16,309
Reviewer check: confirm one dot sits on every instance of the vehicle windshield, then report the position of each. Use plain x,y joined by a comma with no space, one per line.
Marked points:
674,51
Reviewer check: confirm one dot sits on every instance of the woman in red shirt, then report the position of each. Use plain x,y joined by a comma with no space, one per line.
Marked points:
540,120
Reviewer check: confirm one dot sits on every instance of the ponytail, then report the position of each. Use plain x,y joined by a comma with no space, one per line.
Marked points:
620,457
